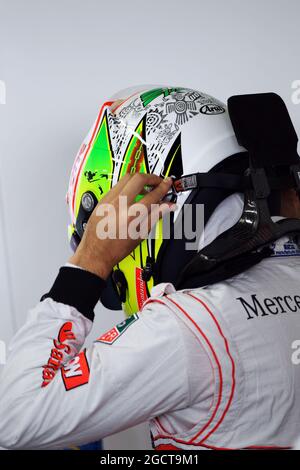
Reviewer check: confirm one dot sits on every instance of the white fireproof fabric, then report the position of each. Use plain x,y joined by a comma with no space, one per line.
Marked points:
165,365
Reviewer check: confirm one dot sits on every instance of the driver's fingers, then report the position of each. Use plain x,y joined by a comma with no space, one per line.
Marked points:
136,185
157,194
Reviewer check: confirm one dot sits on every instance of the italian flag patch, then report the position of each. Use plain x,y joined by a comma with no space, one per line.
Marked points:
112,335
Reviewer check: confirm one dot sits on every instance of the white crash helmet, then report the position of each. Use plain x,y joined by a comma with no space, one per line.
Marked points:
169,131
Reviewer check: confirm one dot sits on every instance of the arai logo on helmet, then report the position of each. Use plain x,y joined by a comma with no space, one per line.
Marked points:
212,109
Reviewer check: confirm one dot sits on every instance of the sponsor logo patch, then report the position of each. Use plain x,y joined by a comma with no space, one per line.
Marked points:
141,288
58,352
212,109
285,248
112,335
76,372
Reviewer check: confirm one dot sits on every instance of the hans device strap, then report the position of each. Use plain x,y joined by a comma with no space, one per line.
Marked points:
263,126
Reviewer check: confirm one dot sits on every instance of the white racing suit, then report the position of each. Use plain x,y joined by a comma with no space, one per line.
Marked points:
209,368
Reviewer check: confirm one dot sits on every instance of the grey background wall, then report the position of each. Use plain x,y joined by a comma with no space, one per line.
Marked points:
61,59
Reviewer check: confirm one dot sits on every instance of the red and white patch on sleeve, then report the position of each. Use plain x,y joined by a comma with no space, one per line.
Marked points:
76,372
58,352
110,336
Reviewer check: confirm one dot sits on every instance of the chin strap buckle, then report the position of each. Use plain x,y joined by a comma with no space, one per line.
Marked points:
186,183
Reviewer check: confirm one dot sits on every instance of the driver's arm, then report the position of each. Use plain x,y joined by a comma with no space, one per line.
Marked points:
52,397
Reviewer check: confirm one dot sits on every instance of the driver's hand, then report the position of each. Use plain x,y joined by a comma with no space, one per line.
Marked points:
110,234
